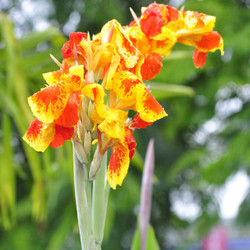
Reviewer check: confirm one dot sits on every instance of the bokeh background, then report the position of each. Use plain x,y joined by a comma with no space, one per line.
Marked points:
202,148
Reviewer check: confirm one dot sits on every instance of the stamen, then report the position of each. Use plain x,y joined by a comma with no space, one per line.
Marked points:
75,54
182,9
134,16
56,61
89,54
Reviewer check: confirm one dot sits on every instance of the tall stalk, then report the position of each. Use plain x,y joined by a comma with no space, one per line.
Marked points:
82,206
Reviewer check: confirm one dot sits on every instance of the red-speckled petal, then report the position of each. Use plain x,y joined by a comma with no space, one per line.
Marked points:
39,135
118,165
69,117
199,58
62,134
138,123
151,66
130,141
53,77
48,104
148,108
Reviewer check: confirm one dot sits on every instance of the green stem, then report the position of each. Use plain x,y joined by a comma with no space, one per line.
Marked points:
82,206
100,201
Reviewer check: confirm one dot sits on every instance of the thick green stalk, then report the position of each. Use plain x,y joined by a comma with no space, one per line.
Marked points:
82,206
100,201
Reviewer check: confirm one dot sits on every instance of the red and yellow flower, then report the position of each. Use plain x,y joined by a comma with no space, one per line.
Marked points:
160,27
56,108
101,79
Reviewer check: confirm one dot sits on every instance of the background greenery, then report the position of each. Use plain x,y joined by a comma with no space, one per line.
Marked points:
199,146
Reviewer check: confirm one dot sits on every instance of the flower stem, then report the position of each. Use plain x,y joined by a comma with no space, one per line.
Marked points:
82,206
100,201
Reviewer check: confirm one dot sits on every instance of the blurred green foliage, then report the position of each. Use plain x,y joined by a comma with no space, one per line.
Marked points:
202,142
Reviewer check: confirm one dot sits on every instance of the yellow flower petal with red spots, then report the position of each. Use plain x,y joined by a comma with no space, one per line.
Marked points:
198,31
148,108
139,39
198,22
124,84
62,134
113,129
102,55
163,43
119,161
118,165
69,116
112,70
95,92
53,77
39,135
114,115
115,34
48,104
73,82
206,42
151,66
75,77
77,70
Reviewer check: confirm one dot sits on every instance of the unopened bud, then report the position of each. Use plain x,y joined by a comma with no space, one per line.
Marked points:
80,151
85,102
86,121
81,130
87,142
91,108
95,165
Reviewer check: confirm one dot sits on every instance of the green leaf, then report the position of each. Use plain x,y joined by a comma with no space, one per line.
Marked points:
178,54
33,39
164,91
152,243
7,177
58,236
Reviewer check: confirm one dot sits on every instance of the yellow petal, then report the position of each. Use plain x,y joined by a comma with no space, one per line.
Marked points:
124,84
114,129
52,77
77,70
149,109
118,165
48,104
39,135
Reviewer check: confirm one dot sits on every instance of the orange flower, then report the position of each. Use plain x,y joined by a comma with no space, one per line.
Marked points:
161,26
120,158
56,108
100,80
112,123
73,44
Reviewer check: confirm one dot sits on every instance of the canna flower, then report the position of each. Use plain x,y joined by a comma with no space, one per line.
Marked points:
101,79
56,109
60,108
160,27
117,132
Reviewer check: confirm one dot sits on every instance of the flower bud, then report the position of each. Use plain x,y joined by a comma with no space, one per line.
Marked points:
87,142
95,165
81,130
80,151
85,102
91,108
86,121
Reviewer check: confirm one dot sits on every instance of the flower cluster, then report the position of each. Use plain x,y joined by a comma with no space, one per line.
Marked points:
101,79
161,26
